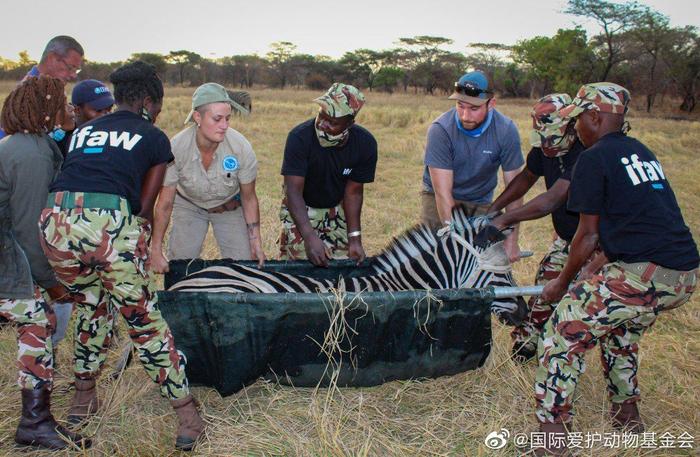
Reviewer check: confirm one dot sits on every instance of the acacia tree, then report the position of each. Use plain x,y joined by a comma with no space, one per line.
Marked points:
652,34
280,61
184,60
614,19
682,57
425,58
560,63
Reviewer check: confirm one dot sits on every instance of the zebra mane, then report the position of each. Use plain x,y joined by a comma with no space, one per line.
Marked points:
421,240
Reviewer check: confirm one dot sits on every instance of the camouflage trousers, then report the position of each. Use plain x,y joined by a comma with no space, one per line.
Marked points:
614,309
35,323
538,311
100,256
329,224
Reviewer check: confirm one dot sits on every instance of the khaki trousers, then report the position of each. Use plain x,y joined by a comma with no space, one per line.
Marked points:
191,223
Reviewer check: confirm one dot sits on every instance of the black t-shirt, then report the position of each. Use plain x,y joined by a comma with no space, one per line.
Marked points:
111,155
621,180
564,221
326,170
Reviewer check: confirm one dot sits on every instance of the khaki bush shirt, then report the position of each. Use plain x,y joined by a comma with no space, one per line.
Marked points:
234,164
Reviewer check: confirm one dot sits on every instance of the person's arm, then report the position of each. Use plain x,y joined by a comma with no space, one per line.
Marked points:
251,214
29,180
316,251
443,181
352,205
594,266
163,211
152,183
511,242
516,188
582,246
543,204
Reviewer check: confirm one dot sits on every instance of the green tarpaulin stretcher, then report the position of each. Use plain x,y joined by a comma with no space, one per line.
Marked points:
231,340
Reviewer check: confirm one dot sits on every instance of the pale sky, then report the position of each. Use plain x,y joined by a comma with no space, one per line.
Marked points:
113,30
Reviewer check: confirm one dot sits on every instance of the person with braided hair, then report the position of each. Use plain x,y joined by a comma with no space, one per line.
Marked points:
29,161
95,232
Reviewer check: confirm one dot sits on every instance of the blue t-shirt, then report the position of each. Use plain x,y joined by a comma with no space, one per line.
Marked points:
473,160
553,169
620,179
111,155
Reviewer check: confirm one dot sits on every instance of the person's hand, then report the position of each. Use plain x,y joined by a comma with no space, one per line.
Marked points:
487,236
512,249
157,263
316,251
553,291
57,293
256,251
355,250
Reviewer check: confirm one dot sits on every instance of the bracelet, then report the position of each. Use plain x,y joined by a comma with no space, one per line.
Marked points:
354,234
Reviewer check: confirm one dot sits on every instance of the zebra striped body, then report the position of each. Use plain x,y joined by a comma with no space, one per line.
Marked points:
242,98
417,259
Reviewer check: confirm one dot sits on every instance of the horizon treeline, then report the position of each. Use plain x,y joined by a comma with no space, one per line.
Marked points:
635,46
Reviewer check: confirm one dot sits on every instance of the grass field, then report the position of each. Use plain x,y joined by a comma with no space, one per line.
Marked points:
449,416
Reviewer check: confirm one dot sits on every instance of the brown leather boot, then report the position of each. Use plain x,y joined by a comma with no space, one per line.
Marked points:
37,427
625,416
84,404
191,425
555,435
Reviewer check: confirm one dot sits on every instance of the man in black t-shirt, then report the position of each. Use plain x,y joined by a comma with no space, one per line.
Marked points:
327,161
555,149
626,204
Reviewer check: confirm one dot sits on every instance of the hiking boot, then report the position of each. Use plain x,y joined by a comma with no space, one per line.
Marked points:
191,426
84,404
37,426
625,416
523,352
555,439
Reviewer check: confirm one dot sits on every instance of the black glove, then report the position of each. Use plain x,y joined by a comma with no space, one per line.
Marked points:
488,235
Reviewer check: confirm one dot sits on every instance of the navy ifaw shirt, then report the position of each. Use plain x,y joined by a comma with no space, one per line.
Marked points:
621,180
111,155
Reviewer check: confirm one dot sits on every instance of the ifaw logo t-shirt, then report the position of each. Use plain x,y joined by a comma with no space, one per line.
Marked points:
111,155
620,179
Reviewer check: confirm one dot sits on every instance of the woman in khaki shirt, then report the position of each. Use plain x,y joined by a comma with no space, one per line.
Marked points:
211,181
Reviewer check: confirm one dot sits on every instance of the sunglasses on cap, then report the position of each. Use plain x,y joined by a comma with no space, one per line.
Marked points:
470,89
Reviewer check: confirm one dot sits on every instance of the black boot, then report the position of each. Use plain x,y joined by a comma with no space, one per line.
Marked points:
37,427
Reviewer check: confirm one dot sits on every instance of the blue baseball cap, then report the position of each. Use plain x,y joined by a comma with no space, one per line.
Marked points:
93,93
472,88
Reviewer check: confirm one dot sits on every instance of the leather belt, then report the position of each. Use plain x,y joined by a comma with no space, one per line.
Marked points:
648,271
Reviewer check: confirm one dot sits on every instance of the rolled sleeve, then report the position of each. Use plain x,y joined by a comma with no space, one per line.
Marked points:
249,164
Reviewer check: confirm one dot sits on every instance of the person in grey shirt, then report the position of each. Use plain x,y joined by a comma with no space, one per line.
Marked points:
465,148
29,161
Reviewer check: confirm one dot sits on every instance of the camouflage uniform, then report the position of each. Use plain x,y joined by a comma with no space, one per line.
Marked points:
614,309
551,265
35,323
100,253
328,223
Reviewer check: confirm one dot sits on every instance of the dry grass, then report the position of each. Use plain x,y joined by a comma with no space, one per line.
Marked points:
450,416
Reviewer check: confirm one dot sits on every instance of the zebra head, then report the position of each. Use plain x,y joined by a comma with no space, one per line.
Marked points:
422,258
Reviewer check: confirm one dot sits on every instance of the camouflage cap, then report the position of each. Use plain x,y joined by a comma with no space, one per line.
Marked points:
604,97
341,100
549,127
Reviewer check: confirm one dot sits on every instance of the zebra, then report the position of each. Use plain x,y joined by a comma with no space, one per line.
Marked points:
420,258
243,99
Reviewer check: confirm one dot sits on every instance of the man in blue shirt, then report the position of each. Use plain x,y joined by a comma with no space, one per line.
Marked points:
465,148
62,59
